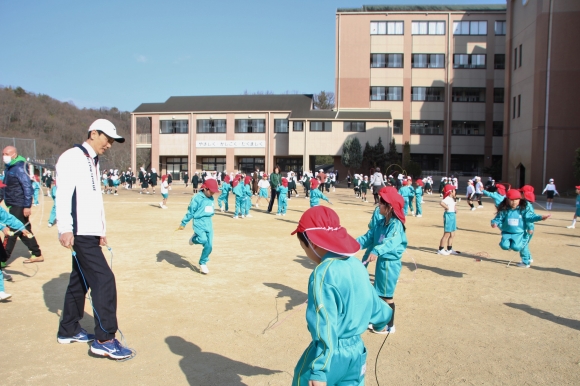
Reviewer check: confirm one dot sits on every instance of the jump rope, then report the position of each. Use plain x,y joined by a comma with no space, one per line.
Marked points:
30,235
123,340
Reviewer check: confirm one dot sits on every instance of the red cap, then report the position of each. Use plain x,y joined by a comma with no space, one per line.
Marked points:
163,177
264,175
500,189
235,183
447,190
420,182
314,183
577,187
323,228
405,182
514,194
247,180
392,197
210,184
528,191
227,179
284,182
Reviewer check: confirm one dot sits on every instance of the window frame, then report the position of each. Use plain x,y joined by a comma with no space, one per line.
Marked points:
496,129
212,126
386,93
386,60
386,24
276,128
325,125
294,126
427,94
174,127
469,65
498,65
465,90
237,129
496,95
432,124
349,124
428,29
464,123
428,61
470,27
519,105
504,28
400,130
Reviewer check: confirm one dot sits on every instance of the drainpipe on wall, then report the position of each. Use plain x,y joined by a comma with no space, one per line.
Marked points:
547,94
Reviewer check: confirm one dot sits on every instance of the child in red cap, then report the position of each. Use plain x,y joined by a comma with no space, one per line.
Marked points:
238,190
264,186
282,197
201,210
341,303
315,194
515,221
223,199
388,242
248,196
449,221
577,213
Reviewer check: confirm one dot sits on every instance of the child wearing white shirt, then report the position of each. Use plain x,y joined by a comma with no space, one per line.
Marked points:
449,222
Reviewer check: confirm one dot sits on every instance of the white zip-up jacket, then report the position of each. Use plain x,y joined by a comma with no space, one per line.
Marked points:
79,201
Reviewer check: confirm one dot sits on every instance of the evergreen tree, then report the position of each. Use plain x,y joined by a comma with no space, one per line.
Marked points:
380,158
392,155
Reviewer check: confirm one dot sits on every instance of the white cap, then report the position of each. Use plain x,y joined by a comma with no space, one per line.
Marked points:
107,128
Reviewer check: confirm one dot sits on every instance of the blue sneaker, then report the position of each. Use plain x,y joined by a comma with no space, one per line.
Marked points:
111,348
82,337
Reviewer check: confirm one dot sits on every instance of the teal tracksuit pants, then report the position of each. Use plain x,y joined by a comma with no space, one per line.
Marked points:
514,241
204,237
239,206
411,198
36,196
419,205
223,199
406,206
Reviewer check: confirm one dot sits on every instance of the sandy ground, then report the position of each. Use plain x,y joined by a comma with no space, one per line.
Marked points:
465,319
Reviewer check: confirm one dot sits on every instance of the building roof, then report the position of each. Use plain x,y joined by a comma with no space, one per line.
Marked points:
298,105
427,8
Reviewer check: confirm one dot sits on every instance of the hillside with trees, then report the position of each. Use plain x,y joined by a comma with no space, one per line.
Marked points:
56,125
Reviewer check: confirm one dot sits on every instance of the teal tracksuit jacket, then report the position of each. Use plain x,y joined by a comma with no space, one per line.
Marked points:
247,199
201,211
375,219
282,199
52,218
224,196
240,198
514,224
495,196
8,220
36,187
315,196
406,192
341,304
418,200
388,241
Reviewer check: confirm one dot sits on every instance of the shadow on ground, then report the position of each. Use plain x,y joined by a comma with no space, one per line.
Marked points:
175,260
207,368
574,324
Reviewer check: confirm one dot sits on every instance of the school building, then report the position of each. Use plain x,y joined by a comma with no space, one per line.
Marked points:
439,77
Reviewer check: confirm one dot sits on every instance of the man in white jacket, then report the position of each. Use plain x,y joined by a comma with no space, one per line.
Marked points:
81,226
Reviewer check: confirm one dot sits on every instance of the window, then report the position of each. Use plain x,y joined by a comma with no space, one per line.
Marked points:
381,93
298,126
355,126
519,104
211,125
470,28
387,28
250,125
397,126
249,165
427,127
499,61
498,95
520,56
174,126
498,128
428,60
428,94
428,28
387,60
468,94
515,58
469,61
320,126
281,125
176,165
500,27
514,108
217,164
468,128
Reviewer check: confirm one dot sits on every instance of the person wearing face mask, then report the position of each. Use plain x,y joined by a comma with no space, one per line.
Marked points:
18,195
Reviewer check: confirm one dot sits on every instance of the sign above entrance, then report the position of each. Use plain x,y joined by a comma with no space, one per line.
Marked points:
230,143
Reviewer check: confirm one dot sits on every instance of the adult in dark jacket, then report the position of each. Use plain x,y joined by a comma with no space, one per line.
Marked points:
275,181
18,196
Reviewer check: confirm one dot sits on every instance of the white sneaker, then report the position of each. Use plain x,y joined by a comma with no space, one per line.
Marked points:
235,217
148,193
419,215
571,227
204,269
297,195
116,194
453,252
370,327
4,295
249,215
480,206
473,208
387,330
7,276
257,206
531,260
191,239
50,225
243,216
443,252
277,214
283,214
161,204
522,265
164,207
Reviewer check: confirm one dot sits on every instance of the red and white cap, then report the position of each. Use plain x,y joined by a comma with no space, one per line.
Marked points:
447,190
323,229
528,191
393,198
284,182
227,179
211,185
514,194
314,183
247,180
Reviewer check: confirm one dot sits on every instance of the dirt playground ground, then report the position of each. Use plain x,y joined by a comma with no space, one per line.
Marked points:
467,319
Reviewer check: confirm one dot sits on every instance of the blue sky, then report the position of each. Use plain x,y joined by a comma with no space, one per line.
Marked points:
123,53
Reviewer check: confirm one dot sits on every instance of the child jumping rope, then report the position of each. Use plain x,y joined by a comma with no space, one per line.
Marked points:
551,192
164,191
449,221
282,197
316,194
248,196
223,199
264,186
341,303
238,190
388,242
419,198
577,208
201,211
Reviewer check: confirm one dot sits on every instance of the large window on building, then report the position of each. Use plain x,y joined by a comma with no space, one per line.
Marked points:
470,28
250,125
498,128
250,164
355,126
320,126
499,61
428,28
211,125
281,125
469,61
468,94
385,93
468,128
498,95
387,28
298,126
428,60
217,164
500,27
175,166
427,127
387,60
397,126
428,94
174,126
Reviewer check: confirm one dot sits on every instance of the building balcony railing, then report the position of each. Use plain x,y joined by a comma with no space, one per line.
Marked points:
143,139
